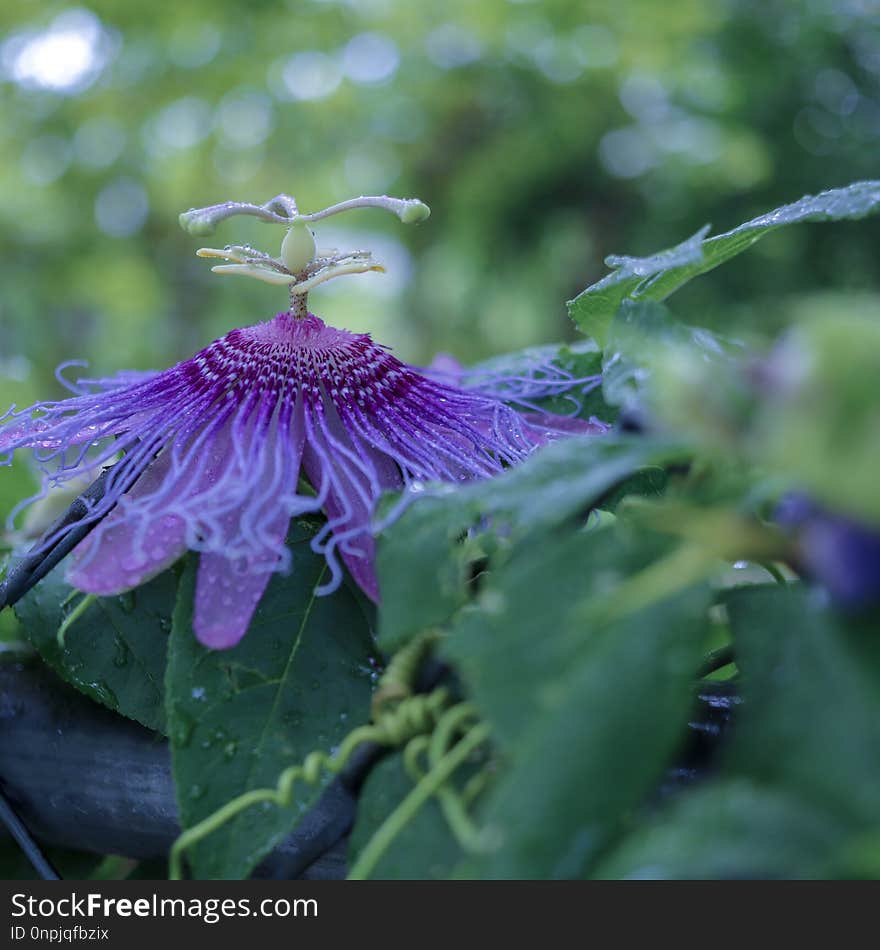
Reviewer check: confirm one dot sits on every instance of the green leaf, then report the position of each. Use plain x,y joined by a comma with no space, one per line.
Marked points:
731,829
643,334
656,277
424,850
426,560
115,651
810,720
424,564
299,681
587,712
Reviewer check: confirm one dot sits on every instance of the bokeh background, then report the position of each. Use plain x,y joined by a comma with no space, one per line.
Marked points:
543,135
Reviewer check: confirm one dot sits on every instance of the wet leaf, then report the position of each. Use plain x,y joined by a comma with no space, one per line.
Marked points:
427,559
115,651
425,849
587,713
657,276
300,680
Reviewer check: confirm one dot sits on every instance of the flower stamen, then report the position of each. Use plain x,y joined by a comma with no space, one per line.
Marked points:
299,266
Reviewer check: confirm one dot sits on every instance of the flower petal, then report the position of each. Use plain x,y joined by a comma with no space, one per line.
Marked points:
226,598
229,589
116,557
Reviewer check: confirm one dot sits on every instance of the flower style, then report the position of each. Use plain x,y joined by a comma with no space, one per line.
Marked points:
218,453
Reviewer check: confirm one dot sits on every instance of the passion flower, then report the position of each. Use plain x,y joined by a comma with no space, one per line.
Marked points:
271,421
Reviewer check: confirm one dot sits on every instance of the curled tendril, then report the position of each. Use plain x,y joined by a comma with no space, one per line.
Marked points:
431,784
458,721
398,679
413,716
445,732
85,602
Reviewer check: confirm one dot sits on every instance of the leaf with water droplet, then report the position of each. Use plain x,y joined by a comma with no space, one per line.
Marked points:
118,643
656,277
264,705
127,601
426,560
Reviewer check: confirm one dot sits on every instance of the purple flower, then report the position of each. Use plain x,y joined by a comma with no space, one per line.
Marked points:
214,450
841,554
268,423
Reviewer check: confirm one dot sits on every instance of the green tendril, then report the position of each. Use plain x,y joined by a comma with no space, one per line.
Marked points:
409,807
74,615
478,783
422,725
411,717
399,679
411,753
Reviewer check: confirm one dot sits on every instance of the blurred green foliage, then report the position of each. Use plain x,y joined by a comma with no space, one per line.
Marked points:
544,136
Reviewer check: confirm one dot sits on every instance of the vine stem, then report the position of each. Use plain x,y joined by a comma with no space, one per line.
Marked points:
436,746
409,807
309,772
413,716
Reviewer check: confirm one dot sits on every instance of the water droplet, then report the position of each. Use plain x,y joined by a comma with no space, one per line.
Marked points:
126,601
181,731
165,624
102,692
120,658
229,750
198,692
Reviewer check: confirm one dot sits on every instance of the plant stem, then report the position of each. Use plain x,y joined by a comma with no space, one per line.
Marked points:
409,807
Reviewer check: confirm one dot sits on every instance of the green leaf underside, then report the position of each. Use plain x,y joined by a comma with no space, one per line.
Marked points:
642,333
425,561
299,681
657,276
115,652
587,714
